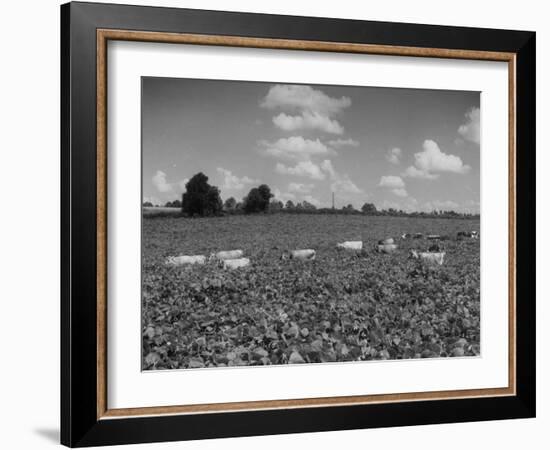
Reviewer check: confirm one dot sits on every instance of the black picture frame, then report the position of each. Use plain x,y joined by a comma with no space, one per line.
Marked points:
80,425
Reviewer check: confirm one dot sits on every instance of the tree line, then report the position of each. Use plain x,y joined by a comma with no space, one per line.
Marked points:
204,200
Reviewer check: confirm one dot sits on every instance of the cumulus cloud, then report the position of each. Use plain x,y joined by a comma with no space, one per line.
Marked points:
231,181
394,155
300,188
312,107
338,143
303,168
283,196
312,200
344,184
413,172
303,98
340,183
432,160
308,121
160,183
395,184
400,192
182,183
470,130
391,181
295,148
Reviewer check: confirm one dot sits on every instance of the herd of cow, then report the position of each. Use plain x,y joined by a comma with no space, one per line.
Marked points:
234,259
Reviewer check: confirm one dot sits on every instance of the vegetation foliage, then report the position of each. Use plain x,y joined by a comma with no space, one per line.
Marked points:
340,307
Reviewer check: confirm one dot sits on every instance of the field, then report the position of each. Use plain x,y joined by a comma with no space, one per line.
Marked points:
340,307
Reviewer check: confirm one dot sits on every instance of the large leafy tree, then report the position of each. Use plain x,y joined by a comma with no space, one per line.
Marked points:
369,208
258,199
201,198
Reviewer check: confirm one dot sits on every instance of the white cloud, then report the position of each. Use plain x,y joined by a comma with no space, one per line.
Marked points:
340,183
283,196
182,183
308,121
413,172
312,200
303,98
315,108
391,181
431,160
300,188
159,181
295,148
394,155
303,168
231,181
400,192
470,130
338,143
344,184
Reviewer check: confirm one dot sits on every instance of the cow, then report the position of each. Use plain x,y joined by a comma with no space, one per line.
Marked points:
351,245
184,260
228,254
386,248
467,235
307,254
236,263
428,257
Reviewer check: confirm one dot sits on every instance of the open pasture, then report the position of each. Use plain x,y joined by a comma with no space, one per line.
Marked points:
339,307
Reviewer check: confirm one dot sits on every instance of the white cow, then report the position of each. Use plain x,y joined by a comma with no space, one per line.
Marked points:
236,263
386,248
351,245
428,257
183,260
307,254
228,254
388,241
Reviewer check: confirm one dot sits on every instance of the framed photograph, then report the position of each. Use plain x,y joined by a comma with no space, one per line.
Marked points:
276,224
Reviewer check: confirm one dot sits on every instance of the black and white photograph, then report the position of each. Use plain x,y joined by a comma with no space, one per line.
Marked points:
299,224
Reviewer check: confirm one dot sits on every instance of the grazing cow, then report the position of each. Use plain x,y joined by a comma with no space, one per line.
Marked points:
307,254
467,234
351,245
428,257
418,236
406,236
229,254
236,263
386,248
183,260
388,241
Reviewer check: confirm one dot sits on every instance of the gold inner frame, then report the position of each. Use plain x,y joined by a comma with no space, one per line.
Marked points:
104,35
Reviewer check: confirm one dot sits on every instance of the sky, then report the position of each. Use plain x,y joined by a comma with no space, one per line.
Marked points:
410,149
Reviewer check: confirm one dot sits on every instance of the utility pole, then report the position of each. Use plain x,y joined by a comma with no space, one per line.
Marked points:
332,200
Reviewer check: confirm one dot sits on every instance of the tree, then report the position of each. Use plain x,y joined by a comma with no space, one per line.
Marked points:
200,198
174,204
308,206
369,208
230,204
289,205
147,204
275,206
258,199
